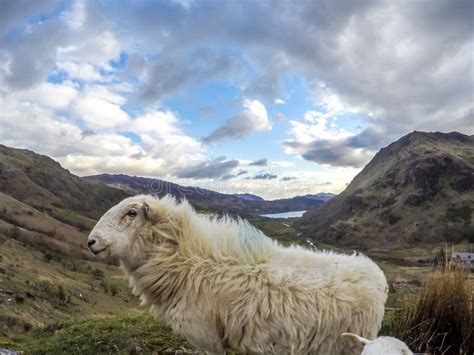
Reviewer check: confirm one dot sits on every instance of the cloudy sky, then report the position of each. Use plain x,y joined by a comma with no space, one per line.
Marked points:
277,98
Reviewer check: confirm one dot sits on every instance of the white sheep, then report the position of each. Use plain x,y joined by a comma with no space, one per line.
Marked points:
379,346
222,283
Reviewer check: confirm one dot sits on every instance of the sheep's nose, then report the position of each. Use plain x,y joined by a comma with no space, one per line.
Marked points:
91,242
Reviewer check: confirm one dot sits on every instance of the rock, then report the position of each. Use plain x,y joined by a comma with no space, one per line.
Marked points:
416,199
5,291
9,352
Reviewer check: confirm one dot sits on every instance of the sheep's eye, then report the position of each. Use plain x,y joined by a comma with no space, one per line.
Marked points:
132,213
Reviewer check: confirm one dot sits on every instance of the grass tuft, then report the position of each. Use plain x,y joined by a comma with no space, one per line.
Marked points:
440,320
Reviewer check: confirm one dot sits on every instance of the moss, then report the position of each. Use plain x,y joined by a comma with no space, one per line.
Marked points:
117,335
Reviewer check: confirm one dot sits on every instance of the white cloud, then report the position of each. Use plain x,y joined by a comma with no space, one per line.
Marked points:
58,136
49,95
260,116
97,112
161,148
109,93
279,102
317,138
161,132
92,165
253,118
97,49
316,125
333,104
83,71
75,17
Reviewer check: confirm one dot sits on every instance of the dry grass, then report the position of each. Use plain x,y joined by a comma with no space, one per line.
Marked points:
440,320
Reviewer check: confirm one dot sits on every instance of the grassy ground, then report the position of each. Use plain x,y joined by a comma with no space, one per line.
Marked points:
115,335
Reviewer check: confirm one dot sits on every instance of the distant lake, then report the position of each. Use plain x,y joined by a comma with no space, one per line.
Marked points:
291,214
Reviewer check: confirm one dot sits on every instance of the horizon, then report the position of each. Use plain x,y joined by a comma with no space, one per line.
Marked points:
216,186
269,98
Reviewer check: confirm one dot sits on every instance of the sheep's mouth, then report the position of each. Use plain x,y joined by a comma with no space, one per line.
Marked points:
98,251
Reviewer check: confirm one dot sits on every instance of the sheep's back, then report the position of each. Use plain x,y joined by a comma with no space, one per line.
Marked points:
303,301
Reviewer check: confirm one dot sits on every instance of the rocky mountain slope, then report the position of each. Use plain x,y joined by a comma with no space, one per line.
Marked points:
206,199
419,189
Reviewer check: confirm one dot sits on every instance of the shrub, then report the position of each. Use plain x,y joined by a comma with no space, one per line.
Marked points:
462,213
63,296
114,290
44,287
15,232
105,286
47,256
98,274
51,233
440,320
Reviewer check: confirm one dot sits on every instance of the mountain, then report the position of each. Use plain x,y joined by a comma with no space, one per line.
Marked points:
200,198
249,197
419,189
42,183
206,199
323,196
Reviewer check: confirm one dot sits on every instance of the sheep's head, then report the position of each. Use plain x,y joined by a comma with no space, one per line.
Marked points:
381,345
117,230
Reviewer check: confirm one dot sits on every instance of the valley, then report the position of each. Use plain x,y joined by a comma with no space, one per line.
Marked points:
52,290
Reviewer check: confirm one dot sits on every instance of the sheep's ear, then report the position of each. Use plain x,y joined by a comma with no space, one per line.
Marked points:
150,213
355,342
